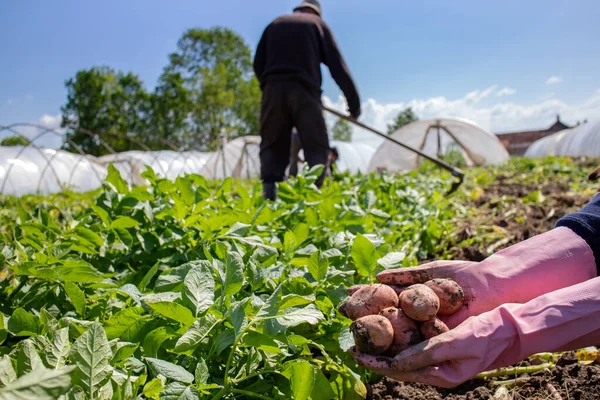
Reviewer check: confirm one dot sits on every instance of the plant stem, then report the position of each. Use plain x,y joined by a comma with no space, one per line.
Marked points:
250,394
510,383
553,392
254,375
514,371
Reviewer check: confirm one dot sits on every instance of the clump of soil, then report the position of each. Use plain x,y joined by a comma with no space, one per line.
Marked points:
569,379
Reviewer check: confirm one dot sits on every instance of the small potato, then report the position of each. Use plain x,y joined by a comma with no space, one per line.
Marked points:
419,303
433,328
406,331
370,300
373,334
450,294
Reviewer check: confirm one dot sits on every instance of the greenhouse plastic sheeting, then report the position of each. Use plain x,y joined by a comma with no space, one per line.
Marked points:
580,141
239,158
32,170
166,164
436,137
353,157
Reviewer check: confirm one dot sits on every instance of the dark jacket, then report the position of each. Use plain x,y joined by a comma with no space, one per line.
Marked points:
293,47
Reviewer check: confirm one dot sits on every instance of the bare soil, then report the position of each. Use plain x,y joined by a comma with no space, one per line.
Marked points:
568,379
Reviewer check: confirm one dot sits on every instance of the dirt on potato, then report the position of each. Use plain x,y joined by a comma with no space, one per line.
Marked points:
419,302
369,300
450,294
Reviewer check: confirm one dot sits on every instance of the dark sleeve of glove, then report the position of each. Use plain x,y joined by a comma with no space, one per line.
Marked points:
586,223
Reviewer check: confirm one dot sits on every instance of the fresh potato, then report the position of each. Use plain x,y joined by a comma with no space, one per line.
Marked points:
419,302
370,300
373,334
406,331
433,328
450,294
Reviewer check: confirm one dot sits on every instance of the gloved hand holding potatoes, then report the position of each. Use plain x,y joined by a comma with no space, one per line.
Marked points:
444,322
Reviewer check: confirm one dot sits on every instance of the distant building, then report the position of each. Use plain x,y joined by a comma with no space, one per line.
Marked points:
516,143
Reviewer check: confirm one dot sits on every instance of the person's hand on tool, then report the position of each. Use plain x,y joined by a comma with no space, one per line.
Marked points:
522,272
355,111
566,319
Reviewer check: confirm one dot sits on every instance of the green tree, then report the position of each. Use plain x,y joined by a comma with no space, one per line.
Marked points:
14,141
342,131
404,117
170,106
102,101
216,70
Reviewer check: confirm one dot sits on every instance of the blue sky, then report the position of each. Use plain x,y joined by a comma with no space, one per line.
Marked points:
489,61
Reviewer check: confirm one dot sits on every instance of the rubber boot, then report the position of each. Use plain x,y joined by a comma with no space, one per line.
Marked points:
270,191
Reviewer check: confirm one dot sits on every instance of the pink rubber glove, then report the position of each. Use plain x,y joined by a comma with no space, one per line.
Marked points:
566,319
547,262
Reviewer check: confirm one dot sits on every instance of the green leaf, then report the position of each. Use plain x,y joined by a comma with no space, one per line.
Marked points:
392,260
259,341
238,318
58,353
201,373
123,351
301,233
91,354
295,300
322,388
7,372
199,287
271,306
78,271
153,388
102,214
169,370
364,256
172,311
296,316
239,230
127,324
177,391
234,274
42,384
28,358
318,266
196,334
346,339
21,323
115,180
154,340
302,379
48,321
76,296
124,223
90,236
148,277
289,242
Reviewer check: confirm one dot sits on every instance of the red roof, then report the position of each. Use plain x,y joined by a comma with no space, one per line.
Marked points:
517,142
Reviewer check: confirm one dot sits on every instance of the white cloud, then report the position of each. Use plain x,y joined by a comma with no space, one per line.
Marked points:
506,92
499,117
553,80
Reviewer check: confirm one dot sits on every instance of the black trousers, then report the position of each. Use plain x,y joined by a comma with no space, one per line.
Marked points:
286,105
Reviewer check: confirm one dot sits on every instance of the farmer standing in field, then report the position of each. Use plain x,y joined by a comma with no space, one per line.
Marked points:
288,66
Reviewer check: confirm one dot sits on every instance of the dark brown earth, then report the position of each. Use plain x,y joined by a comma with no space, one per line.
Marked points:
570,380
503,206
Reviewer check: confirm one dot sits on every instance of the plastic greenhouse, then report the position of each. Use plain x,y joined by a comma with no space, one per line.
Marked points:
437,137
583,140
166,164
33,170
